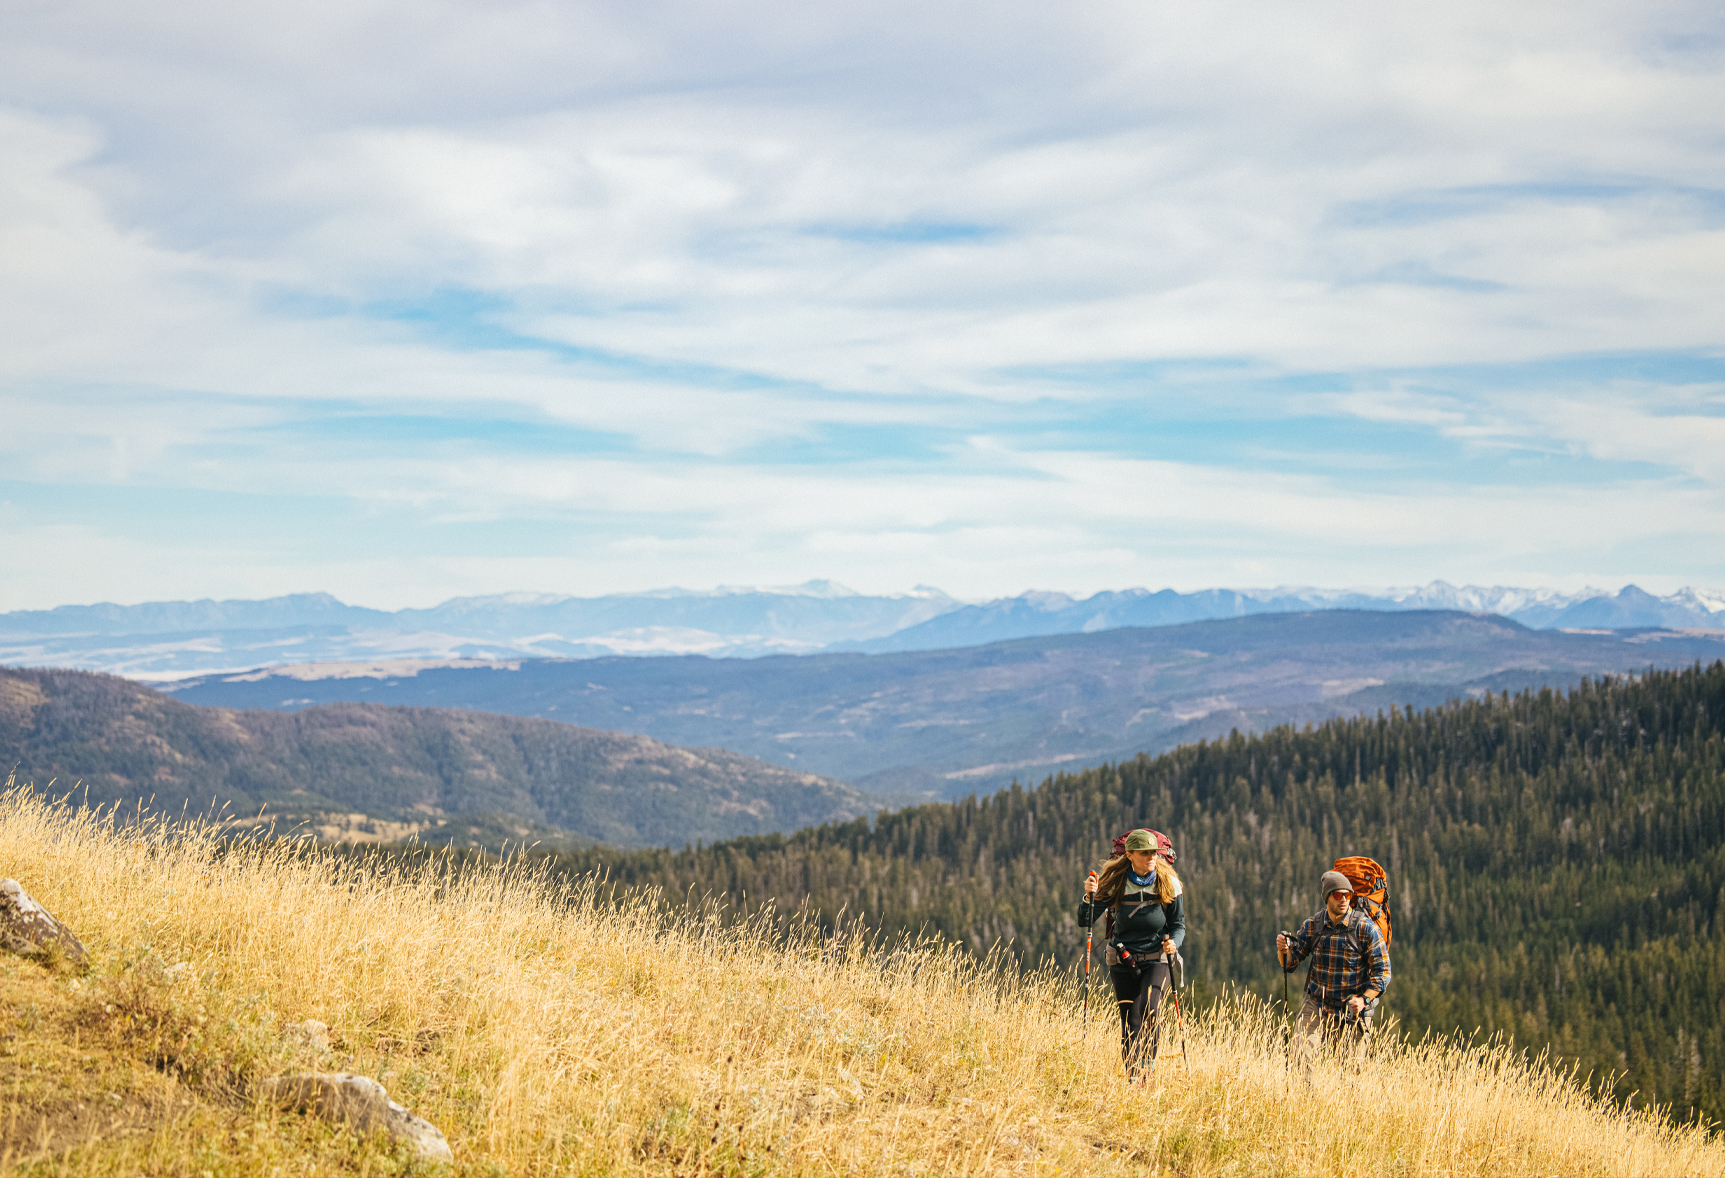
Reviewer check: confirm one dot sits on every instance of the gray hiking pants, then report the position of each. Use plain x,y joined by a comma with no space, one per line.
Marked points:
1320,1031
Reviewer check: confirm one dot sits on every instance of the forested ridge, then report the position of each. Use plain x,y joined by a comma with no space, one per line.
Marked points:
1556,865
487,777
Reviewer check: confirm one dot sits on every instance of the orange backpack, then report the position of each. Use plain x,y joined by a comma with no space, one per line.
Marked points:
1371,889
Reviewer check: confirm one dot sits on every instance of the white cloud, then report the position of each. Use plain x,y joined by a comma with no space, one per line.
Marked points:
762,229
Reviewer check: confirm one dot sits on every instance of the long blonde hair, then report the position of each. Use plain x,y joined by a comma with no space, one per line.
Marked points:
1111,880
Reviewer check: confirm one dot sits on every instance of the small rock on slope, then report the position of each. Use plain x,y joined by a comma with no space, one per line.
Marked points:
27,928
362,1103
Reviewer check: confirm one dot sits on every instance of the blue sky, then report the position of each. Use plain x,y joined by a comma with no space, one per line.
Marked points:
405,301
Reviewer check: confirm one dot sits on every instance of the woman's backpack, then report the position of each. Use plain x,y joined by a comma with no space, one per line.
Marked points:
1371,889
1164,844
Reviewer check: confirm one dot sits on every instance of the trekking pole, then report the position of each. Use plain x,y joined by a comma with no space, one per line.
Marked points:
1089,951
1180,1019
1285,1022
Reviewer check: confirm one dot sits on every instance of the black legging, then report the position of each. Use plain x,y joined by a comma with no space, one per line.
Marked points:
1140,995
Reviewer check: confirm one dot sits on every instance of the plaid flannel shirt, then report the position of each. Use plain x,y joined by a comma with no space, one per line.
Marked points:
1339,968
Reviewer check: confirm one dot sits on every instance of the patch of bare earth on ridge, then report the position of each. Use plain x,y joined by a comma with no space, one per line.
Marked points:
61,1088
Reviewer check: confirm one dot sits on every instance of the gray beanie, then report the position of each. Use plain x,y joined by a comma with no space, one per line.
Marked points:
1334,881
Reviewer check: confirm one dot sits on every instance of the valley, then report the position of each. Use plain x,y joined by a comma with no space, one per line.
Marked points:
944,724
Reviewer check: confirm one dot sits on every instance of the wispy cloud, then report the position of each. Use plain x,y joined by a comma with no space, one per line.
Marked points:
408,300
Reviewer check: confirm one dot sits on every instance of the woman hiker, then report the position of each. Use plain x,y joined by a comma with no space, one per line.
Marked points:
1143,892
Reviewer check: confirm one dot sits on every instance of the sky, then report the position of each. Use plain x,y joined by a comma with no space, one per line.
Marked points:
401,301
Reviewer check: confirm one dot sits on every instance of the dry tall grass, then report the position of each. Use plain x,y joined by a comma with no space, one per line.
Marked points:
547,1033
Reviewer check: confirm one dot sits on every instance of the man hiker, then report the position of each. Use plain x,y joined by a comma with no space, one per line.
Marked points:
1350,971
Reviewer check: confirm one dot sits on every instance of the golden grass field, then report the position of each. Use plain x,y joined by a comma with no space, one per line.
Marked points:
547,1032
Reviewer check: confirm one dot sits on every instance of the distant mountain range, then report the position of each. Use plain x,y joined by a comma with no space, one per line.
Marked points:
946,723
1055,613
364,772
166,640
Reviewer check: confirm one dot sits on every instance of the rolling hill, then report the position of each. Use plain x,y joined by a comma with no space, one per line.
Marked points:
546,1030
947,723
439,774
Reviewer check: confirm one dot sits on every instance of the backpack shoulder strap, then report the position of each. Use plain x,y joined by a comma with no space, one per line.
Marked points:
1359,920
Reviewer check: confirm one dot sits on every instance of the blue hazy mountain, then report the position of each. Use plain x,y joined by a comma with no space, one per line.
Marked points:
174,617
1054,613
163,640
171,639
945,723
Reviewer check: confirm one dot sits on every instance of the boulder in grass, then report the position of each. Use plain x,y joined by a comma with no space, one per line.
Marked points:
362,1103
27,928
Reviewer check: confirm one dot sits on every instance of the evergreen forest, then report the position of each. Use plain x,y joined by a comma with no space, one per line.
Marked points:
1556,866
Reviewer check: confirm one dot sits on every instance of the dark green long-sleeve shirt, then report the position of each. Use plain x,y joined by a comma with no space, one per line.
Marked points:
1140,924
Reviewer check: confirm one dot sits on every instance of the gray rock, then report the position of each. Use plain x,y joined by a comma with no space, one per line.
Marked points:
362,1103
28,929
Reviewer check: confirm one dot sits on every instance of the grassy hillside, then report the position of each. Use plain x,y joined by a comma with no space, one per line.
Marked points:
547,1034
447,775
948,723
1557,865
